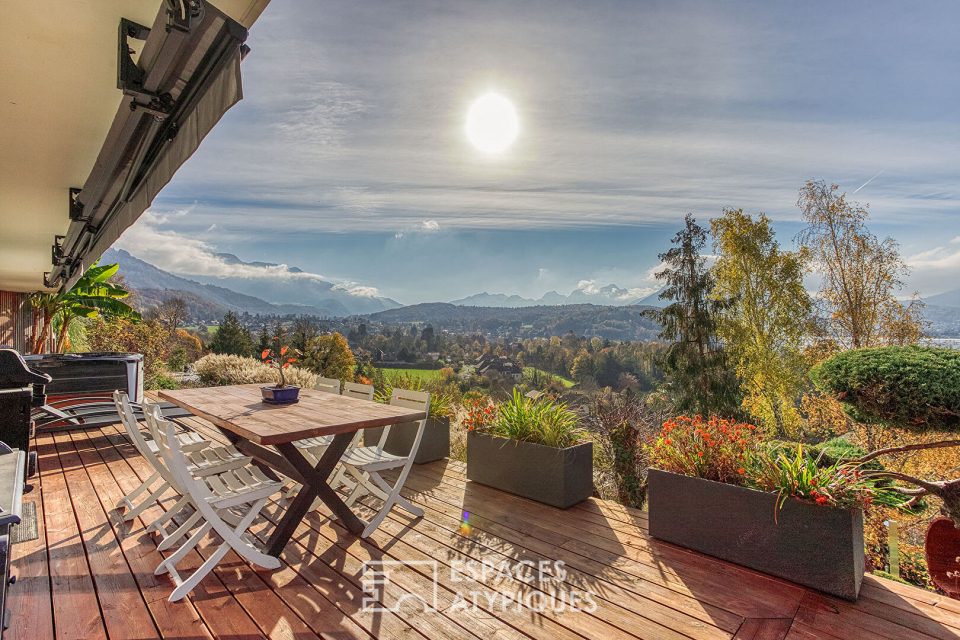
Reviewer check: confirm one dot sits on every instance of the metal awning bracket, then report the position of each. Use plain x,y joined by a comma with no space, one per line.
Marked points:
131,78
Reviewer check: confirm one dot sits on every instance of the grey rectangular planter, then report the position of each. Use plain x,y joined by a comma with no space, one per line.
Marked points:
435,444
558,477
816,546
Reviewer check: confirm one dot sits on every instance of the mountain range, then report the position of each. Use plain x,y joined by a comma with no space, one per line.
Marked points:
611,295
208,301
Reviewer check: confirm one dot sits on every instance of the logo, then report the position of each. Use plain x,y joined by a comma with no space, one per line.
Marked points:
388,585
395,585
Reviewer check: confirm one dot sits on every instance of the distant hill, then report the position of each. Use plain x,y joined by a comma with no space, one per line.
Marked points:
946,299
610,295
212,297
204,301
611,322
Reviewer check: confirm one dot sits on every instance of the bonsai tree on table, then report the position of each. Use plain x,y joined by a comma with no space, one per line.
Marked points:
280,359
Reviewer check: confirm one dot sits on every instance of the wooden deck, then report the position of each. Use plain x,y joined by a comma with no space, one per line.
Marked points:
90,577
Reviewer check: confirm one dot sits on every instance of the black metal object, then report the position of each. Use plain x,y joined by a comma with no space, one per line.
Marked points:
12,470
558,477
88,374
184,52
21,389
288,460
816,546
434,445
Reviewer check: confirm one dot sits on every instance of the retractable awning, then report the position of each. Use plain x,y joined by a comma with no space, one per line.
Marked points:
80,158
187,76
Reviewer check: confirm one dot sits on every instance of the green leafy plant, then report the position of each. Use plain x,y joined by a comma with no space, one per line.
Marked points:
92,296
441,395
800,475
542,421
914,386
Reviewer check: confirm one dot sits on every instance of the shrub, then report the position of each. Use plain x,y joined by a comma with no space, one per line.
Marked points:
909,386
542,421
711,448
442,391
800,475
224,369
624,423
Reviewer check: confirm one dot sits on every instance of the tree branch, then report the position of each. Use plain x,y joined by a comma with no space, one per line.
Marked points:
907,447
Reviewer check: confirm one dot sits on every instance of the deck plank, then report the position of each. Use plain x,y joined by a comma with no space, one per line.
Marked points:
76,611
125,613
89,574
31,603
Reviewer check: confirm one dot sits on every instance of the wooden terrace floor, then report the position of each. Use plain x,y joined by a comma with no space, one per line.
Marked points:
89,576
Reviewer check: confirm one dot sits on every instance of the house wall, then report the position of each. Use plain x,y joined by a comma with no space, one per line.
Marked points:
16,320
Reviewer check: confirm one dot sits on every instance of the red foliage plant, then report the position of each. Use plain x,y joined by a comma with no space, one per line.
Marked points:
712,448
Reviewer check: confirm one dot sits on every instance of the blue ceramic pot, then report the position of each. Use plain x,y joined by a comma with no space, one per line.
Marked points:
280,395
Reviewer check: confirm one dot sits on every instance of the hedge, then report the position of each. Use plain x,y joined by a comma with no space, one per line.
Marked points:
917,387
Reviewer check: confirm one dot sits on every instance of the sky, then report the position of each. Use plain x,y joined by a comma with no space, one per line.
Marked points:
348,157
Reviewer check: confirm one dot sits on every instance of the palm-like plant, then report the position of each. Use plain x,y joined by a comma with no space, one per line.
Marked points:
92,295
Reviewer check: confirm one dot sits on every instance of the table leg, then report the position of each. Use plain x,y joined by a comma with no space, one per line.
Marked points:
315,486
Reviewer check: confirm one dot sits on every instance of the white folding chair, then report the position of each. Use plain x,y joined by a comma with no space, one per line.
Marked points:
205,458
148,449
313,448
365,464
329,385
241,492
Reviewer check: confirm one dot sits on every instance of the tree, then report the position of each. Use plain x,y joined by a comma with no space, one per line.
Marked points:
765,316
232,337
330,356
263,339
861,274
698,378
93,295
172,313
305,328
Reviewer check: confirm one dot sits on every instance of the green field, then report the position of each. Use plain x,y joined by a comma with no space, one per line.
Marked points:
566,382
423,374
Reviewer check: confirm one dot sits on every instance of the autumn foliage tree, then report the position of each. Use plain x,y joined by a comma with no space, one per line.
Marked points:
765,316
330,356
861,274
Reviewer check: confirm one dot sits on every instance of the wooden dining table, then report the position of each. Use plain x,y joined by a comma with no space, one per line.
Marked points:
267,433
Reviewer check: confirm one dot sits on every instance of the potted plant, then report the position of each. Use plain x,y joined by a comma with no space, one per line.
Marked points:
280,393
714,487
435,442
533,448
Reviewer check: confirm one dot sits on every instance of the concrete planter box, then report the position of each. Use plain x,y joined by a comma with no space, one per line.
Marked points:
816,546
558,477
435,444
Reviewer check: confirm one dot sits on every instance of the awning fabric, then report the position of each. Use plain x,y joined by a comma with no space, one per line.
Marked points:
196,70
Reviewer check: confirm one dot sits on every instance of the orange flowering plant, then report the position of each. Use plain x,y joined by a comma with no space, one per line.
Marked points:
734,453
711,448
481,412
280,360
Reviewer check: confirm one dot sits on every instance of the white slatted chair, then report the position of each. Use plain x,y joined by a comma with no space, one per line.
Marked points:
329,385
240,492
365,464
148,449
313,448
205,458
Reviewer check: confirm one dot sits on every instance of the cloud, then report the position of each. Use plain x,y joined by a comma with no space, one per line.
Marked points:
183,255
935,270
956,240
430,225
354,289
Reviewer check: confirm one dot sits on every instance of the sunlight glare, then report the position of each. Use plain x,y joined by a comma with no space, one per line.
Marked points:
492,124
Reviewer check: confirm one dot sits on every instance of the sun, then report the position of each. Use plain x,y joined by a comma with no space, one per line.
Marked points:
492,123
